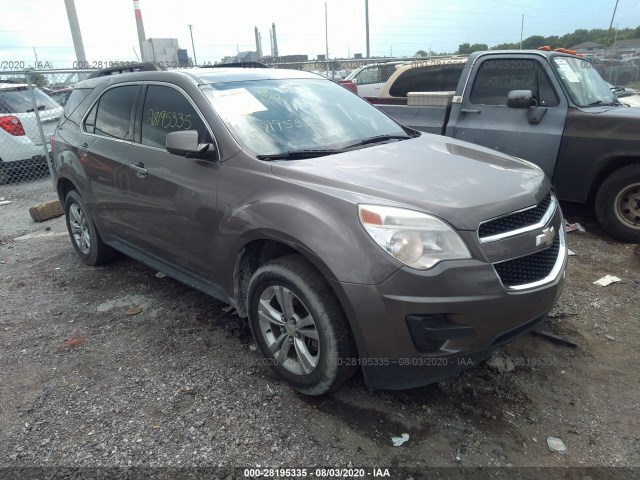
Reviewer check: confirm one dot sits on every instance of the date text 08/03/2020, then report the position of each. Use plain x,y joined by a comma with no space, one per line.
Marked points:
374,472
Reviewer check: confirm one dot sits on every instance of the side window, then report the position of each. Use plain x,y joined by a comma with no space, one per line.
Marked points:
496,78
167,110
367,76
432,78
111,116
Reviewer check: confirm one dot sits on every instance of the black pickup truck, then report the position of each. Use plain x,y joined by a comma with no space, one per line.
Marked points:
551,108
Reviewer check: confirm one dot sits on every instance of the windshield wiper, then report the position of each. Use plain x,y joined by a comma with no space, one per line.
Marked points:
40,107
603,104
297,154
379,138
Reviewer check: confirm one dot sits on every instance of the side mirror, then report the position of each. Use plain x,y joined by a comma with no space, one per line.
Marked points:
520,99
185,143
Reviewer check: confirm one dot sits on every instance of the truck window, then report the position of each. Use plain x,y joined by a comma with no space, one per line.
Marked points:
497,77
428,78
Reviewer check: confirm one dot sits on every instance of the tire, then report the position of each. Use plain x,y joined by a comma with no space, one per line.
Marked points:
617,204
83,233
312,350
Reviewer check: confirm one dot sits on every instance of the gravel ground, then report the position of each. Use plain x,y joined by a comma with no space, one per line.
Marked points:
115,367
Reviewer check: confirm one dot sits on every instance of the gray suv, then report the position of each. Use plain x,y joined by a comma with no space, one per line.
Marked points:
348,240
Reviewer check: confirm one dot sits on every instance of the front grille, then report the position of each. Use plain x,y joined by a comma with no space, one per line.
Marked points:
515,221
529,269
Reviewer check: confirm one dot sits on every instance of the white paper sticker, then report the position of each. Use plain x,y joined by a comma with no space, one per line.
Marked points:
235,102
567,70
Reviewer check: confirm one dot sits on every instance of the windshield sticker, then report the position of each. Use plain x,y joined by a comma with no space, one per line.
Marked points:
567,70
235,102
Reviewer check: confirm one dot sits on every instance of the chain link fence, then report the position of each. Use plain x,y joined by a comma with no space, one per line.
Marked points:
31,102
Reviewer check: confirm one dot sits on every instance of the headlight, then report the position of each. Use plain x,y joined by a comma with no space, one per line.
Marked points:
416,239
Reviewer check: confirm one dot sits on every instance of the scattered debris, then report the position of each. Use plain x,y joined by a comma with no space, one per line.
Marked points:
398,441
534,439
75,341
5,202
47,210
571,253
557,445
501,364
253,348
459,451
607,280
610,338
571,227
135,310
544,331
160,275
561,314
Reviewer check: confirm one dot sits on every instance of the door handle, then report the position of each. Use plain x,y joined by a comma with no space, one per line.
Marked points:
139,169
467,110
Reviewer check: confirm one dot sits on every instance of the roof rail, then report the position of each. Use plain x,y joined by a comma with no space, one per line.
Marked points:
236,65
132,67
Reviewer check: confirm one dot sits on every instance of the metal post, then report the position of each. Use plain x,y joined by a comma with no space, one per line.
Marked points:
75,32
195,60
366,15
326,39
521,31
36,112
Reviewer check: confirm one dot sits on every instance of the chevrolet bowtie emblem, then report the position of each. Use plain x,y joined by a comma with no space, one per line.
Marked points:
546,237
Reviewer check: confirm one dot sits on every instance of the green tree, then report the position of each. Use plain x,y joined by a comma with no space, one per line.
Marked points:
38,79
421,53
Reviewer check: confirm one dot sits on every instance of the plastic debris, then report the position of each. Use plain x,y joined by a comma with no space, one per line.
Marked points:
572,227
160,275
253,348
5,202
607,280
571,253
557,445
398,441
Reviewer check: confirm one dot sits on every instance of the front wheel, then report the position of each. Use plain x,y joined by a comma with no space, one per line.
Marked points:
299,326
618,204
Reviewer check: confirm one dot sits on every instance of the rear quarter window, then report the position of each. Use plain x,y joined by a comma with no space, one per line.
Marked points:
431,78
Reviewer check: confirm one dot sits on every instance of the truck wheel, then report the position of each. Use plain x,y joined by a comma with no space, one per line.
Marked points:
84,235
618,204
299,326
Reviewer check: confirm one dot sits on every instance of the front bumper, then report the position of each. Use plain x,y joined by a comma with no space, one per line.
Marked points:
467,294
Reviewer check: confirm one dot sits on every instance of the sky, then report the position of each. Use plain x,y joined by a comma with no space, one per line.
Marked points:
397,28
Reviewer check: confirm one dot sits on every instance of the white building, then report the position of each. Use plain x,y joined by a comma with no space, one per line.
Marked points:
162,50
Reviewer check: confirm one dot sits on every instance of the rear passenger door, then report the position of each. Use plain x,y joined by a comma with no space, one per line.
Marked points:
103,150
174,197
484,118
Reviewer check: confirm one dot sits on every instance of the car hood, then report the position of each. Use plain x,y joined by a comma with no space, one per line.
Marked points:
462,183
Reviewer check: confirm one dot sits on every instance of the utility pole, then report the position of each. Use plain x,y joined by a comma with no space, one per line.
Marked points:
326,38
195,60
75,32
366,16
36,55
611,23
521,31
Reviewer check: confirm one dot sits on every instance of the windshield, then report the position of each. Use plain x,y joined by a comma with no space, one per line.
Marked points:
270,117
585,86
19,100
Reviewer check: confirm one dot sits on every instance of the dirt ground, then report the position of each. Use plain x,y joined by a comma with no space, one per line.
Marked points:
115,367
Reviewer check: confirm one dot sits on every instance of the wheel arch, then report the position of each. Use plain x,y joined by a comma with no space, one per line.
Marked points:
255,253
608,167
64,186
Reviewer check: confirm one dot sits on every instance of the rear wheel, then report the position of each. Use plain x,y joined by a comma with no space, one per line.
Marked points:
618,204
299,326
84,236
